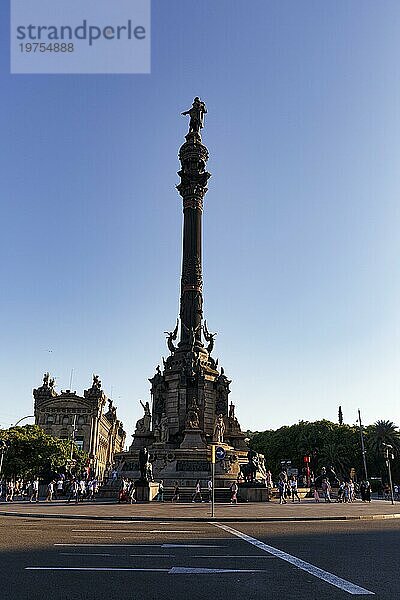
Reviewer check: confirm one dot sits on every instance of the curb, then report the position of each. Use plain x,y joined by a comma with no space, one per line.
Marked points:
202,519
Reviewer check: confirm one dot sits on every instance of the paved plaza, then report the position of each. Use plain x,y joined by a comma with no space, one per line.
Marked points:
306,510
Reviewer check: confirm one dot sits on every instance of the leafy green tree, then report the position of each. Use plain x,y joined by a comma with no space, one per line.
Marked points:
32,452
327,443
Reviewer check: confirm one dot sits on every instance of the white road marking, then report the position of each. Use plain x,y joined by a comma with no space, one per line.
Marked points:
94,569
232,556
134,531
87,554
338,582
209,556
190,546
141,545
200,571
171,571
92,537
114,555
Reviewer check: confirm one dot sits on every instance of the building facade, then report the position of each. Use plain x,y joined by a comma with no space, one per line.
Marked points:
96,431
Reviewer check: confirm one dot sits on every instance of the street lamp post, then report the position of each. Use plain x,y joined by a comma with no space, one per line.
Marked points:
362,446
388,457
23,419
73,436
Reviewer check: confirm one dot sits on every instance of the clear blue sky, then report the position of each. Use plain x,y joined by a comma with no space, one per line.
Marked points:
301,223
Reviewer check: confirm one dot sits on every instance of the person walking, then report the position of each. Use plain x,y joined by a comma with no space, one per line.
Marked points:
234,491
10,491
293,488
82,489
352,491
60,487
132,493
35,490
175,494
209,489
50,491
316,494
326,490
197,492
123,489
282,491
90,490
73,490
95,482
340,493
362,491
367,491
160,495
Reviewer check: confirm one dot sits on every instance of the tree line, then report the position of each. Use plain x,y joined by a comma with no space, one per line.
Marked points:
330,444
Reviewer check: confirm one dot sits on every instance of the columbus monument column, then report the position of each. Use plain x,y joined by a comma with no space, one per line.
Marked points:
189,394
193,156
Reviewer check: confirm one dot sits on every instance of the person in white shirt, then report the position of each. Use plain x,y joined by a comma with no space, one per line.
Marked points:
82,489
50,491
60,487
197,492
209,488
293,488
35,490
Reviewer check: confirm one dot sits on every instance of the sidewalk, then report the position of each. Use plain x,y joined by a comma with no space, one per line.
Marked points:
307,510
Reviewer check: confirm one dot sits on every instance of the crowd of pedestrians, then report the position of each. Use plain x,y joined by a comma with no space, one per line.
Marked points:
127,491
61,487
85,488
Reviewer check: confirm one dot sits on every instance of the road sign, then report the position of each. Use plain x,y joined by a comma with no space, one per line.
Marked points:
220,453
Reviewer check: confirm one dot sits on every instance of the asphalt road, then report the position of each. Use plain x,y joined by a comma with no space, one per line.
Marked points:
71,559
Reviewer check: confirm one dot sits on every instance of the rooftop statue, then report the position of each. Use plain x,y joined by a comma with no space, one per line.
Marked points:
96,382
196,113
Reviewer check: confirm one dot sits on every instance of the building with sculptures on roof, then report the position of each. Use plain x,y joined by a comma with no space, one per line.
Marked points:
83,419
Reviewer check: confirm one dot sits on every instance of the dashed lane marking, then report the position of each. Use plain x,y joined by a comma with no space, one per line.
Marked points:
140,545
134,530
208,556
171,571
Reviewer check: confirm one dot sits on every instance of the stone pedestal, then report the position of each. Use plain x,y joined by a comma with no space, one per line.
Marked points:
253,493
142,440
193,439
146,491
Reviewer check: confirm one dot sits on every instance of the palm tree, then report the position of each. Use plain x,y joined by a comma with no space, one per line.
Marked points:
383,432
337,455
